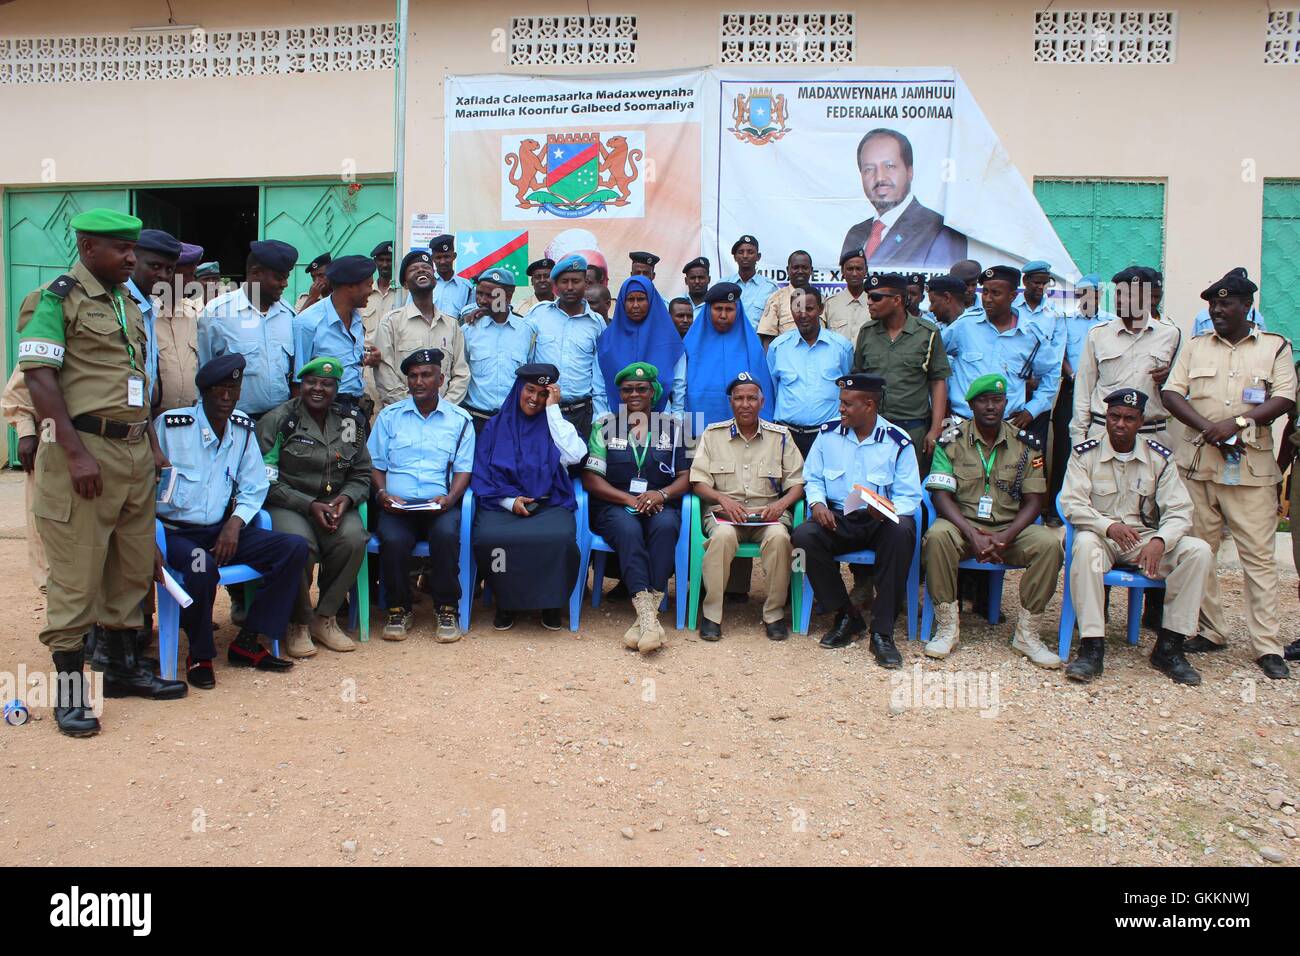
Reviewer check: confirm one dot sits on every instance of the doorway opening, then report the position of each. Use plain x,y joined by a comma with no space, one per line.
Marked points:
221,219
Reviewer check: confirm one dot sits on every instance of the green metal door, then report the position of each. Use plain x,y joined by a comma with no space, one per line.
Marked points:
1106,225
40,246
1279,284
338,218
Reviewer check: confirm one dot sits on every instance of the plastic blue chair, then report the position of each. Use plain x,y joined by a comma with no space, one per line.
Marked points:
592,549
800,580
997,575
1120,576
169,612
360,602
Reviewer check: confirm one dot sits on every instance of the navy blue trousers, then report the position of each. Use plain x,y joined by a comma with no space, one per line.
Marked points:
279,557
398,535
644,545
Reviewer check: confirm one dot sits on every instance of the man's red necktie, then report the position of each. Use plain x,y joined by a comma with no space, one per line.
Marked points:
873,241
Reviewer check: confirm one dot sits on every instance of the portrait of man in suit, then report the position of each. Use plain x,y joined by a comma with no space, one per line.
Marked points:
902,232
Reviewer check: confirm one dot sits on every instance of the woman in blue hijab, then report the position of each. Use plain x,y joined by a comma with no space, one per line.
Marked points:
719,346
525,536
640,331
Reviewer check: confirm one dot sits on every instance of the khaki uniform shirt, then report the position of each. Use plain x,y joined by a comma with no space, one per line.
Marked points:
526,305
845,314
778,315
908,365
81,337
178,354
756,472
1113,358
16,405
958,468
372,313
1214,377
306,463
404,330
1144,492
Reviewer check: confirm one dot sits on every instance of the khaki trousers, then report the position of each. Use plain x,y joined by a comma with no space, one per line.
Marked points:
101,549
1035,549
1250,512
1184,568
35,550
774,553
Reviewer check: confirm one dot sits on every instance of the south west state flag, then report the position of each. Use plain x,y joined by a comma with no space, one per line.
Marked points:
480,250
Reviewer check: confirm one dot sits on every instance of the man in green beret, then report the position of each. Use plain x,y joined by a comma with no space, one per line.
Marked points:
83,350
987,484
319,470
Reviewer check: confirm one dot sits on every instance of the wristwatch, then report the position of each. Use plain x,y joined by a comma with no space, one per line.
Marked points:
1241,421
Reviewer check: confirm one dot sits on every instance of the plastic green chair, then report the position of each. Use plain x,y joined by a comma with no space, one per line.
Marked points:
745,550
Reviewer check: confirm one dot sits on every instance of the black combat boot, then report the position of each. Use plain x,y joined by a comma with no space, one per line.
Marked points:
71,704
125,676
1167,657
1087,663
96,652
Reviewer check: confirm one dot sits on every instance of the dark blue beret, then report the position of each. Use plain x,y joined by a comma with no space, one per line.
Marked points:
644,258
1127,396
444,243
858,253
348,270
410,259
155,240
861,382
1007,273
217,370
743,240
950,284
538,373
273,254
722,292
699,262
384,247
542,263
894,281
1235,283
323,259
422,357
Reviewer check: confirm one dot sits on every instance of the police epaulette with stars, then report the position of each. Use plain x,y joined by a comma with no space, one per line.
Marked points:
1160,449
900,436
241,421
1088,445
61,286
175,421
1030,440
774,427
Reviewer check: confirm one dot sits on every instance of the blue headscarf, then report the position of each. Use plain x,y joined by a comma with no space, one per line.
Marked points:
515,456
654,339
713,360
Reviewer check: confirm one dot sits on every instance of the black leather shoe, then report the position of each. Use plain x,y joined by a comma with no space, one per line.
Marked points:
777,631
847,626
1293,651
1087,664
71,707
246,651
1201,645
886,654
200,674
710,631
551,619
1274,667
1167,657
124,676
503,620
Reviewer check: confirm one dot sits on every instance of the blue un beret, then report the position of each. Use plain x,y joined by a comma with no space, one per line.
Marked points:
273,254
499,275
223,367
1035,265
744,378
570,263
349,270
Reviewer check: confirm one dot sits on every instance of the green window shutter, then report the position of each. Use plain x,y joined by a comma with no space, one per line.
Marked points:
1106,225
1279,284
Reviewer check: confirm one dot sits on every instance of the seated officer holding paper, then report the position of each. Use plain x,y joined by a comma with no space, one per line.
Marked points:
748,474
861,449
423,450
319,469
987,482
1128,505
215,457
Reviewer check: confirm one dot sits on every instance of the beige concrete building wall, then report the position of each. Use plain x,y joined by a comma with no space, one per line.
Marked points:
1191,124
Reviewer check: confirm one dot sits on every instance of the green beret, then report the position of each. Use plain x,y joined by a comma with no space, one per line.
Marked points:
641,372
986,383
107,222
326,366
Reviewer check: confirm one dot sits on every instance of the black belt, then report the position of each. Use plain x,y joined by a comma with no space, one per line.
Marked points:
107,428
802,429
574,406
907,424
173,525
479,413
1148,427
